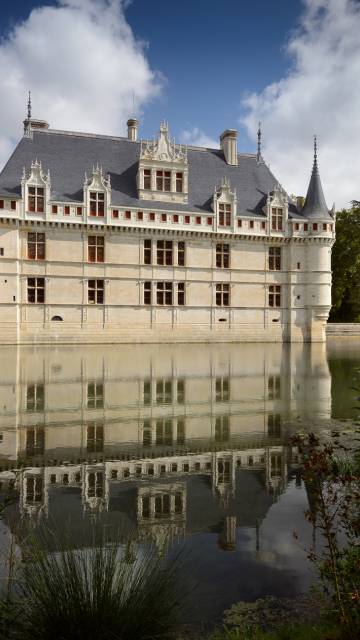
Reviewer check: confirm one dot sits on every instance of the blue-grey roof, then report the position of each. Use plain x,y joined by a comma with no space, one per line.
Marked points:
315,205
69,155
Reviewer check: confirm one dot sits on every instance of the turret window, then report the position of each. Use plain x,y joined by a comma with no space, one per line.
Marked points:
276,219
224,215
97,204
163,180
36,199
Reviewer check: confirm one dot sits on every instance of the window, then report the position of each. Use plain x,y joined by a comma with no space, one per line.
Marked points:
324,227
34,488
198,220
147,388
35,397
36,199
66,211
36,290
274,295
147,251
274,387
96,248
1,251
127,215
276,219
222,295
187,219
36,246
164,391
224,215
222,389
222,429
275,258
164,293
180,391
163,181
95,484
164,252
35,442
306,226
147,178
96,291
152,217
181,293
95,395
239,223
1,204
13,205
147,292
115,213
223,256
97,204
181,254
95,438
54,209
209,221
315,226
179,182
147,437
274,425
79,211
164,432
175,217
251,224
140,215
297,226
162,505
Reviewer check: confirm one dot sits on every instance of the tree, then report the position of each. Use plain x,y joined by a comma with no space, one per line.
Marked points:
346,267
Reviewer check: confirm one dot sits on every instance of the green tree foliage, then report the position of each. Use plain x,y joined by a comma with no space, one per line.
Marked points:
346,267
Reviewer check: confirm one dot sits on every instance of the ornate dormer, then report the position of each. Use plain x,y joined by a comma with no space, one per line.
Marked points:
97,193
35,189
277,209
225,205
163,169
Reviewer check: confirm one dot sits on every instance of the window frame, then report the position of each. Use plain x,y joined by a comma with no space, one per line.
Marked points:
277,218
274,300
36,199
275,258
225,213
96,291
96,248
222,255
97,204
35,289
36,245
222,294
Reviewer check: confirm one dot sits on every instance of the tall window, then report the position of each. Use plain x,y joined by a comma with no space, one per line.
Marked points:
147,251
36,199
274,295
164,252
147,389
95,484
96,245
35,397
147,435
34,489
36,290
36,246
96,291
35,442
274,386
274,425
164,391
147,293
222,429
147,178
179,182
224,215
276,219
181,293
97,204
223,255
164,432
222,389
222,295
164,293
95,395
181,254
275,258
95,438
163,180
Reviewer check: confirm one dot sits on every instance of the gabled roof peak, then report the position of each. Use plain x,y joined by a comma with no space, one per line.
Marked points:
315,204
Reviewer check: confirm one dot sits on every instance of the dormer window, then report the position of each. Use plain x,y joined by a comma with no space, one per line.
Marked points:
276,218
163,180
97,204
147,178
179,182
224,215
36,199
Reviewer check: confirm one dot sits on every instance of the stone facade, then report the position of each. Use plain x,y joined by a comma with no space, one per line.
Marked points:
157,243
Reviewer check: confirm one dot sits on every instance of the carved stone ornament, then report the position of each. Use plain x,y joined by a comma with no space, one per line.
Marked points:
97,181
36,177
163,148
223,193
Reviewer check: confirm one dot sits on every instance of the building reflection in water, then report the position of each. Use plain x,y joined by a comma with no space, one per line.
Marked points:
166,440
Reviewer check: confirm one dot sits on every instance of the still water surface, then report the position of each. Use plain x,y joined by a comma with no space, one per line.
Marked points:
185,445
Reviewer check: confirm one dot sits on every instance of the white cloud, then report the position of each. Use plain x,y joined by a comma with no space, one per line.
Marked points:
83,65
320,94
197,138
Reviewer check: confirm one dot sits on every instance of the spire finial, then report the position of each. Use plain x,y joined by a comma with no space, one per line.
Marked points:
29,107
315,152
259,142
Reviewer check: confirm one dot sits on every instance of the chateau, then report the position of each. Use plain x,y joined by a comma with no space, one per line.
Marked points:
110,239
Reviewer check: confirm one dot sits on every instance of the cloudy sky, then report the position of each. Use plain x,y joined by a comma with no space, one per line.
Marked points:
203,66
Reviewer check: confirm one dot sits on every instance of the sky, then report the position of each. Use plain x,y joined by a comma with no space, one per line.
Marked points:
201,65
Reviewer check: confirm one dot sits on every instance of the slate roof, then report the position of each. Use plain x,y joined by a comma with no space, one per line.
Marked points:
69,155
315,205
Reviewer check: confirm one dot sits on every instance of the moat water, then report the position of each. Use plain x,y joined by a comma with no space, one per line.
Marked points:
180,447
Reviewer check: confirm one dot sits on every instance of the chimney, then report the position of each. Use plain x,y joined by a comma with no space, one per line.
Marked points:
228,143
132,125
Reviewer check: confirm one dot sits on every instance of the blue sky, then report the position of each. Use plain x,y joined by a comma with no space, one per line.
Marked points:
203,66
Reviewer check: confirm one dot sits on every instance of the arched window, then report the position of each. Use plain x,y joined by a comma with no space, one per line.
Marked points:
56,319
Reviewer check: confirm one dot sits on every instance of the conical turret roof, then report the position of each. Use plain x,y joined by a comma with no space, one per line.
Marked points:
315,205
